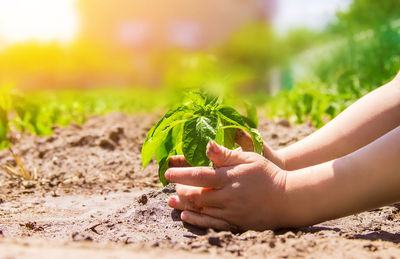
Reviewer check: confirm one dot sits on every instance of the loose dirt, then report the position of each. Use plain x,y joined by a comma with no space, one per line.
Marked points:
92,199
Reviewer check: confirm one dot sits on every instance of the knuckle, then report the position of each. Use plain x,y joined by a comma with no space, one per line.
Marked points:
179,189
231,174
227,156
192,196
196,173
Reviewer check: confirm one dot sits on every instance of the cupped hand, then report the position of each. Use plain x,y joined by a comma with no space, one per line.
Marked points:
242,191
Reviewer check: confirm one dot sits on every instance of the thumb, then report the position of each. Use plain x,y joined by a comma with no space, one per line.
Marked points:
222,157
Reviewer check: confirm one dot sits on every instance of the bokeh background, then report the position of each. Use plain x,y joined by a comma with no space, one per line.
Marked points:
61,61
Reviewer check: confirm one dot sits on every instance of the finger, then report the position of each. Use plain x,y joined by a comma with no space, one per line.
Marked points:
244,140
199,176
222,157
196,198
182,204
205,221
178,161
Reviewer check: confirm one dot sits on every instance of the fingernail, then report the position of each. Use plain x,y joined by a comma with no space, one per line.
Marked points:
184,215
168,175
172,202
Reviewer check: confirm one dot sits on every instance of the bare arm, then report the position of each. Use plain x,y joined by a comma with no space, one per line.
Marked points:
365,179
364,121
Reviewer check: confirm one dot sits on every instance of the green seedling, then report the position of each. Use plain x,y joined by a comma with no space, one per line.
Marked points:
187,129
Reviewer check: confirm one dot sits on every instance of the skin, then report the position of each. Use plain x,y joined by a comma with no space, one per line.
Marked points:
350,165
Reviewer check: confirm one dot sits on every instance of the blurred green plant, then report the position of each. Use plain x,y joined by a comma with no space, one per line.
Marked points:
360,65
311,102
5,108
364,53
365,15
38,112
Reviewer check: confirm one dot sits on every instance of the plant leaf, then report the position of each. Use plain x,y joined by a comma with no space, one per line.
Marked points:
225,137
162,168
150,146
229,138
230,115
257,141
252,118
171,115
171,144
197,132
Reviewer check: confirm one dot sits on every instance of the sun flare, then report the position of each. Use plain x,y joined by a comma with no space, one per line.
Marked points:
39,20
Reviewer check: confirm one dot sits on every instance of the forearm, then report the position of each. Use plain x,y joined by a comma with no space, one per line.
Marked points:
362,180
364,121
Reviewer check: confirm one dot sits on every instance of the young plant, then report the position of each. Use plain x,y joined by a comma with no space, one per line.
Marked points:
187,129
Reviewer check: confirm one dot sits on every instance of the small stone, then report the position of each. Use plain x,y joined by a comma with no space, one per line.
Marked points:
142,199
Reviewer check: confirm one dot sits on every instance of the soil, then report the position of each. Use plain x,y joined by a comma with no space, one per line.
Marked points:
92,198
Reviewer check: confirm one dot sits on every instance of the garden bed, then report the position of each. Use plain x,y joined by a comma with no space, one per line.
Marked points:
93,199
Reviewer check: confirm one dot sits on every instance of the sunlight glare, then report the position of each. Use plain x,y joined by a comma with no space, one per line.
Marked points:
39,20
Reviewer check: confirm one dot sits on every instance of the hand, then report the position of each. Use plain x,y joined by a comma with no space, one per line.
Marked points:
243,191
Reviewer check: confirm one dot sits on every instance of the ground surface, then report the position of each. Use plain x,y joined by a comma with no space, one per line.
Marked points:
93,199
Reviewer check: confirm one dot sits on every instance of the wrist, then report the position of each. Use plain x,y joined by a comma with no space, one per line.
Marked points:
275,157
303,198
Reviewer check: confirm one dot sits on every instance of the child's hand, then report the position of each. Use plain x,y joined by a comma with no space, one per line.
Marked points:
244,191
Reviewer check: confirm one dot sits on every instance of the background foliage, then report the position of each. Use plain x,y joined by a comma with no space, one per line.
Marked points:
356,53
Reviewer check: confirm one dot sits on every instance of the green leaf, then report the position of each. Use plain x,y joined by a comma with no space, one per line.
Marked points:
197,132
229,138
230,115
252,118
203,99
165,147
225,137
172,143
219,138
257,141
170,116
151,145
162,168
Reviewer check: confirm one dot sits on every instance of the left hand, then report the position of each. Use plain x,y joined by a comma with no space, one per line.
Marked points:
243,191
